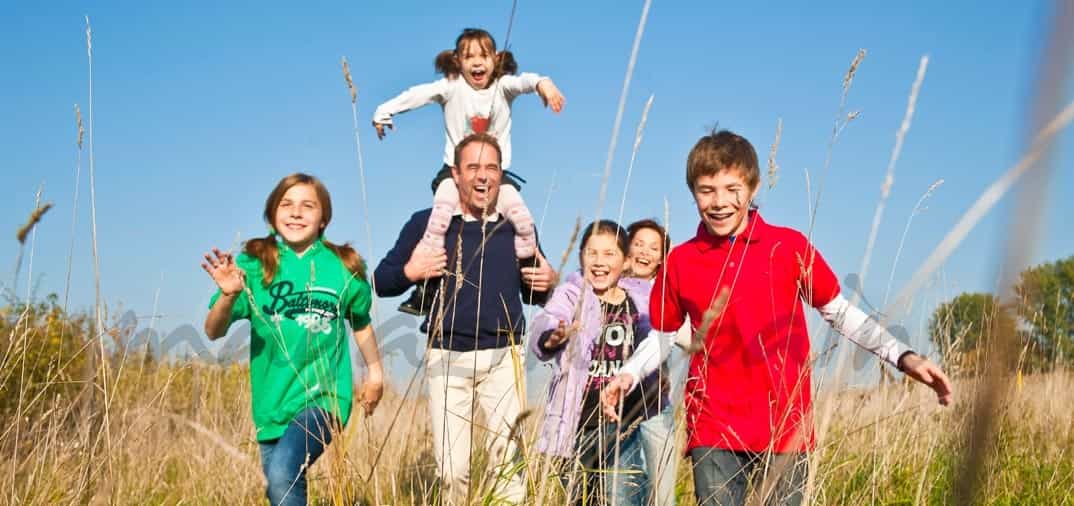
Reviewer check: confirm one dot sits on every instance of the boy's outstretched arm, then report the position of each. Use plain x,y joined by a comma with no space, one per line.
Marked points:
851,322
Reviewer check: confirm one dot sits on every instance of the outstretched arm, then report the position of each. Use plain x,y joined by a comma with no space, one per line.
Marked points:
413,98
550,95
650,353
820,289
851,322
529,82
558,313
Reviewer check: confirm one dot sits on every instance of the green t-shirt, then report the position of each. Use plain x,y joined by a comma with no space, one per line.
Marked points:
299,356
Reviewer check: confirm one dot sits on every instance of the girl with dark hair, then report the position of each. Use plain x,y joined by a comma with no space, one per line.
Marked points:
591,325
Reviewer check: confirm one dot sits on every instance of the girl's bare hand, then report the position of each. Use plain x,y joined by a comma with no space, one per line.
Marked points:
372,391
551,95
561,335
381,132
221,267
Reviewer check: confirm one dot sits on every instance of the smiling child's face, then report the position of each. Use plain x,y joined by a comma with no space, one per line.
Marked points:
602,262
299,218
476,62
723,201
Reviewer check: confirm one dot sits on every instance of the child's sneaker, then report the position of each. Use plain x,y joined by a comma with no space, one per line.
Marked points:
420,302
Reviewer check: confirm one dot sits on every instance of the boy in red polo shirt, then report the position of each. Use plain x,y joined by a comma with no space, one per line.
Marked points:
748,394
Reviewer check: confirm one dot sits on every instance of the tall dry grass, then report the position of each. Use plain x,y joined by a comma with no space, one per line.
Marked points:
86,423
182,433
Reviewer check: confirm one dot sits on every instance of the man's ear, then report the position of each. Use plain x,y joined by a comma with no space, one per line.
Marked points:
456,174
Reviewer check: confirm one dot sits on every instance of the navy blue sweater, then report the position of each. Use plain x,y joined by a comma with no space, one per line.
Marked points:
497,274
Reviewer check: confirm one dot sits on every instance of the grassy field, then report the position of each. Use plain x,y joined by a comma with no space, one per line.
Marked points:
134,431
86,423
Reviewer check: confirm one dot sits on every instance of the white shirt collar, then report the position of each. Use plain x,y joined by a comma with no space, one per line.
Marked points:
495,216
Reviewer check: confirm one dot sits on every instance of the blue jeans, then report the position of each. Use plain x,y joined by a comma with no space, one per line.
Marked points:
723,477
286,459
603,477
657,437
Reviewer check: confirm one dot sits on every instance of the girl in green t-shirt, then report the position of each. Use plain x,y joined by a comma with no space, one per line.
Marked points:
297,289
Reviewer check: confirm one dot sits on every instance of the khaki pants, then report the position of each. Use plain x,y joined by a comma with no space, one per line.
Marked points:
461,385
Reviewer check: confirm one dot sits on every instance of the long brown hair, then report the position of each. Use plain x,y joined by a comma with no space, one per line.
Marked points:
447,63
266,248
651,224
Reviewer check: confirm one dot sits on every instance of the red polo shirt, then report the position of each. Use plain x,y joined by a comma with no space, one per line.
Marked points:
749,387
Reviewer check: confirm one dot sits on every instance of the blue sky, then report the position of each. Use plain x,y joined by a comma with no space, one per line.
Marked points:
200,107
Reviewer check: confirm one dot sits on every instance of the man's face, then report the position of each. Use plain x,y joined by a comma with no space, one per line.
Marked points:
478,178
723,201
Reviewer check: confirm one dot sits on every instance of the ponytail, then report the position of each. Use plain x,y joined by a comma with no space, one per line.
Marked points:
350,258
267,252
505,64
446,64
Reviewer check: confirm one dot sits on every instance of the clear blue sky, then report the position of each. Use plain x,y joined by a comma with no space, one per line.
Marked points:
200,107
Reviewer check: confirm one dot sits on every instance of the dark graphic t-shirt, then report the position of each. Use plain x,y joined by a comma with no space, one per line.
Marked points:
615,344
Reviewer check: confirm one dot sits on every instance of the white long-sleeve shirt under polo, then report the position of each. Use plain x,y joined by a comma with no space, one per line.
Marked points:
847,319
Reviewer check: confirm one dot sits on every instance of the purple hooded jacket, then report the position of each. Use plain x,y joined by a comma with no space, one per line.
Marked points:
571,373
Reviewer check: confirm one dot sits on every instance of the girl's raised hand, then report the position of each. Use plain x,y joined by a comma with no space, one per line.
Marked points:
381,132
551,95
221,267
561,335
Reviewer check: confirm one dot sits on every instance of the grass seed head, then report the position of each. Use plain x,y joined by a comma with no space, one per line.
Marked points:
35,217
350,82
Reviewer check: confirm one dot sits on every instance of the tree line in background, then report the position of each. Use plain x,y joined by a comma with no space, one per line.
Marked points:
1040,313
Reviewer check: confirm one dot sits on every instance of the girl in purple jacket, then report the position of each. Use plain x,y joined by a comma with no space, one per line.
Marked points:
589,327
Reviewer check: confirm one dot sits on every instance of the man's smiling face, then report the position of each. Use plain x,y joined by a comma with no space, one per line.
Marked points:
478,178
